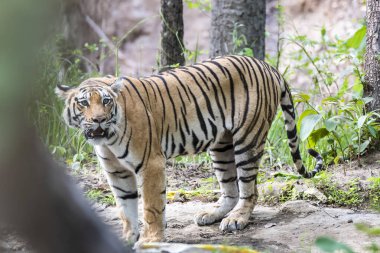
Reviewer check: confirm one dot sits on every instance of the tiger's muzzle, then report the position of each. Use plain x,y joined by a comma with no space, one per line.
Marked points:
97,133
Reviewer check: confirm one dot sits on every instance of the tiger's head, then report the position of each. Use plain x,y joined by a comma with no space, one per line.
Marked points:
92,107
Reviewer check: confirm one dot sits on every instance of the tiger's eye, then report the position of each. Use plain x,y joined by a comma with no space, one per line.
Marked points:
84,103
106,101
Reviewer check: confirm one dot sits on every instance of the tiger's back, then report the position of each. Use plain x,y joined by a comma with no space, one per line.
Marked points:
195,106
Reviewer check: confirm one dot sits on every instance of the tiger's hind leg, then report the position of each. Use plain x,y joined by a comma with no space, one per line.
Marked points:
222,154
248,152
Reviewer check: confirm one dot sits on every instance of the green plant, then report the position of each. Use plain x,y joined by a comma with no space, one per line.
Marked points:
239,42
330,246
203,5
374,192
101,196
332,116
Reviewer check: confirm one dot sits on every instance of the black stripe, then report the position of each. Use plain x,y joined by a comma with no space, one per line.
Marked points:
167,142
228,180
198,149
104,158
249,168
248,197
224,162
291,133
200,116
181,84
170,98
218,83
252,144
214,129
248,178
184,118
139,166
203,76
296,155
220,169
223,149
173,145
205,95
162,99
132,195
253,159
125,117
126,148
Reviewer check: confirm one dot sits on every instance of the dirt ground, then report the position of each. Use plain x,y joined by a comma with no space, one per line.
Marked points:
292,227
289,227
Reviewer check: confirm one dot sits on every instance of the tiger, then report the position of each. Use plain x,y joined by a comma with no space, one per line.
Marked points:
224,105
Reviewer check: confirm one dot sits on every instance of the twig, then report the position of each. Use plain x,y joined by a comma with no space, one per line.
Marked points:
103,36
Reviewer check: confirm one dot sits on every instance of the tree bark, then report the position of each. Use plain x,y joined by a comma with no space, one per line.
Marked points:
372,66
172,34
247,16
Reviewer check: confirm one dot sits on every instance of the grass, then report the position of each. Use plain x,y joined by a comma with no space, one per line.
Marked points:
101,196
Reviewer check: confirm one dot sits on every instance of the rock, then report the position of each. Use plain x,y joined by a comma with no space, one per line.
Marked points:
271,191
314,194
350,221
298,207
269,225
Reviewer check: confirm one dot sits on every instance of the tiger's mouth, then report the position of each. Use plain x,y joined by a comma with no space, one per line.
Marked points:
95,134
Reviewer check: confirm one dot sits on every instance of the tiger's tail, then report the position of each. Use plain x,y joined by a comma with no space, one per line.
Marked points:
287,107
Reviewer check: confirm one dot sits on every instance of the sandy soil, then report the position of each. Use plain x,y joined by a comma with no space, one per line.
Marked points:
293,227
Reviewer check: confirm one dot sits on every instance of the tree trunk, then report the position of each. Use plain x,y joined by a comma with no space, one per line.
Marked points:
372,66
246,17
171,34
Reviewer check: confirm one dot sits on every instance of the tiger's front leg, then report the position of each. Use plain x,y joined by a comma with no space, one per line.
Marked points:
153,186
124,188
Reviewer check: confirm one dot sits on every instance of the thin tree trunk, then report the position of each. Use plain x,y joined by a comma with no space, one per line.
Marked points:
172,34
246,17
372,66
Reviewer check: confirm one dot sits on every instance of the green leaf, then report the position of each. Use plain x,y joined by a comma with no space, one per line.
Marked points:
316,135
366,100
361,121
357,39
357,90
372,131
330,246
303,115
301,97
363,146
330,100
323,31
332,123
343,89
307,125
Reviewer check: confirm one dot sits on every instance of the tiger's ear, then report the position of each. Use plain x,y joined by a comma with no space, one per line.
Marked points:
62,91
116,86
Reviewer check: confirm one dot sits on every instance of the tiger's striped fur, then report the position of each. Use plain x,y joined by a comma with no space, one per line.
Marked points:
225,105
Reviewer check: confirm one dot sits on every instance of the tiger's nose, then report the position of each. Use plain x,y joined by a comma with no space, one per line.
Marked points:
99,119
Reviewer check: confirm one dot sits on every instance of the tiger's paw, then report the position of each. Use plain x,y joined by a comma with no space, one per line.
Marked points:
131,236
207,218
145,240
233,222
